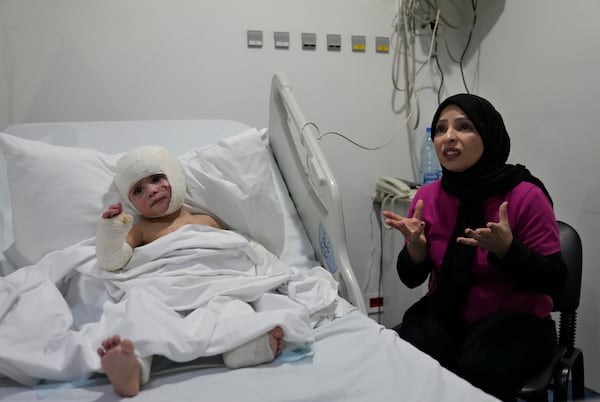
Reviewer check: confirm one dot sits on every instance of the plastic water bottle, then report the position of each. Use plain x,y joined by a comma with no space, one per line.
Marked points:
430,165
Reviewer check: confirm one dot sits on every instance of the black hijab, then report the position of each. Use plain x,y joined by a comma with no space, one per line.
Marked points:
489,176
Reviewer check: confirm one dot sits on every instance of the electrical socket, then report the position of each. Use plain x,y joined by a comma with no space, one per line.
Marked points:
375,302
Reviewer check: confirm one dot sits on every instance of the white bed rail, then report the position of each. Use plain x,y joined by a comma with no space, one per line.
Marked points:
312,186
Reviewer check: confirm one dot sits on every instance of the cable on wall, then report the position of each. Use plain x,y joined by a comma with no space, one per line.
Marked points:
410,21
345,137
460,61
412,16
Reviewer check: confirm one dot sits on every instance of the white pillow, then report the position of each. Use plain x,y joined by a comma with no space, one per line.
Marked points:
57,193
232,180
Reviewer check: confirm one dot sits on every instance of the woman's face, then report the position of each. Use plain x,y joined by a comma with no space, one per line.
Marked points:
458,145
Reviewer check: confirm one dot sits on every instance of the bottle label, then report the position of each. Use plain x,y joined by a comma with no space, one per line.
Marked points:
428,177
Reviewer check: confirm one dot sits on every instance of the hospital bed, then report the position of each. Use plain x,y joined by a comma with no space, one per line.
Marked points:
291,205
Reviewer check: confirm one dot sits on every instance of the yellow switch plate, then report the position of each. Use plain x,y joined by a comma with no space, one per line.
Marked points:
382,44
359,43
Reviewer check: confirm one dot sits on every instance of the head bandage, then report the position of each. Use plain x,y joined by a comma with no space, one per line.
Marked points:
148,160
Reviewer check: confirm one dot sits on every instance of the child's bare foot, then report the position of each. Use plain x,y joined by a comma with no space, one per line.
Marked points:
276,340
121,365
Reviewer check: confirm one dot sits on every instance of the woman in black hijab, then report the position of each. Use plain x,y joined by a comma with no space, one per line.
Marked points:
486,236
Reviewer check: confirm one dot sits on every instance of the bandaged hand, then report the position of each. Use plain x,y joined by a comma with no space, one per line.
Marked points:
112,250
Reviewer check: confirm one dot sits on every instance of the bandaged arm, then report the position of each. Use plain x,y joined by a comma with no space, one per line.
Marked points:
112,249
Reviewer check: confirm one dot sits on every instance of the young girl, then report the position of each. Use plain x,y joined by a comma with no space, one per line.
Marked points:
152,182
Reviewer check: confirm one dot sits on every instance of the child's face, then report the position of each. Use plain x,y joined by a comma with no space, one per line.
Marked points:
151,195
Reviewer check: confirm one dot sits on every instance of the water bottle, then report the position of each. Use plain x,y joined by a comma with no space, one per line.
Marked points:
430,165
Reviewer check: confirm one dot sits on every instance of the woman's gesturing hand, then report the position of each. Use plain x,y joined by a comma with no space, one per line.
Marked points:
413,230
495,237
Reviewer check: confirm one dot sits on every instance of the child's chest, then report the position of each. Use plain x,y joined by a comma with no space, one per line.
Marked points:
164,228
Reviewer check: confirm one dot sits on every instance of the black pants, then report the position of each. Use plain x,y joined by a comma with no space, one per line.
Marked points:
497,355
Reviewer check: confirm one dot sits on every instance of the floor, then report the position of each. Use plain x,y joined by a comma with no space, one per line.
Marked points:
589,395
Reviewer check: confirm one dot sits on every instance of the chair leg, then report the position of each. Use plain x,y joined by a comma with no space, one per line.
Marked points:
561,384
577,376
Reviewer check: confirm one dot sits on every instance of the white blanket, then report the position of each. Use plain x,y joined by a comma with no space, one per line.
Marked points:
186,295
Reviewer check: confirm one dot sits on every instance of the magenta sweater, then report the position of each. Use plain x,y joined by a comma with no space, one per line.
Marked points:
533,224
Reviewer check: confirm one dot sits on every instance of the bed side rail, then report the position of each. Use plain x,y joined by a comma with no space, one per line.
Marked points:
312,186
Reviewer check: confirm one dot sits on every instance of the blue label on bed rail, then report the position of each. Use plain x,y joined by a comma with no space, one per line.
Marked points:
327,249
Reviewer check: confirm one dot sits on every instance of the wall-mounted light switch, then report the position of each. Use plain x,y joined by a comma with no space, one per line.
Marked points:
334,42
255,39
282,40
309,41
382,44
359,43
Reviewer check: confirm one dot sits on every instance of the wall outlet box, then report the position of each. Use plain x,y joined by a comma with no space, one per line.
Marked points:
281,40
382,44
255,39
309,41
359,43
334,42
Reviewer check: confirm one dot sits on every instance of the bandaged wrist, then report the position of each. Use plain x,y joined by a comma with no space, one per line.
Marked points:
145,366
112,249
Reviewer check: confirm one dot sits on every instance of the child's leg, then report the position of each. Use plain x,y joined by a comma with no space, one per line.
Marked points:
122,367
259,350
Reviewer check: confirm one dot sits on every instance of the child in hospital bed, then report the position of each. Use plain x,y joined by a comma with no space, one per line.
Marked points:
151,180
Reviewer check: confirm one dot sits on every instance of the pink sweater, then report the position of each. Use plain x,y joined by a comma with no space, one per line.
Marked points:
532,222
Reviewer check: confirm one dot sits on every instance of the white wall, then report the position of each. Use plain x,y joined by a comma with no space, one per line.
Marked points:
539,66
150,59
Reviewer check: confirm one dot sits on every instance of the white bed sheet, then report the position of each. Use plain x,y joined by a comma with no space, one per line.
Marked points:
355,360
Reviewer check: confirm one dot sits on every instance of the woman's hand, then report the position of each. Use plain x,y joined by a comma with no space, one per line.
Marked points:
495,237
413,230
